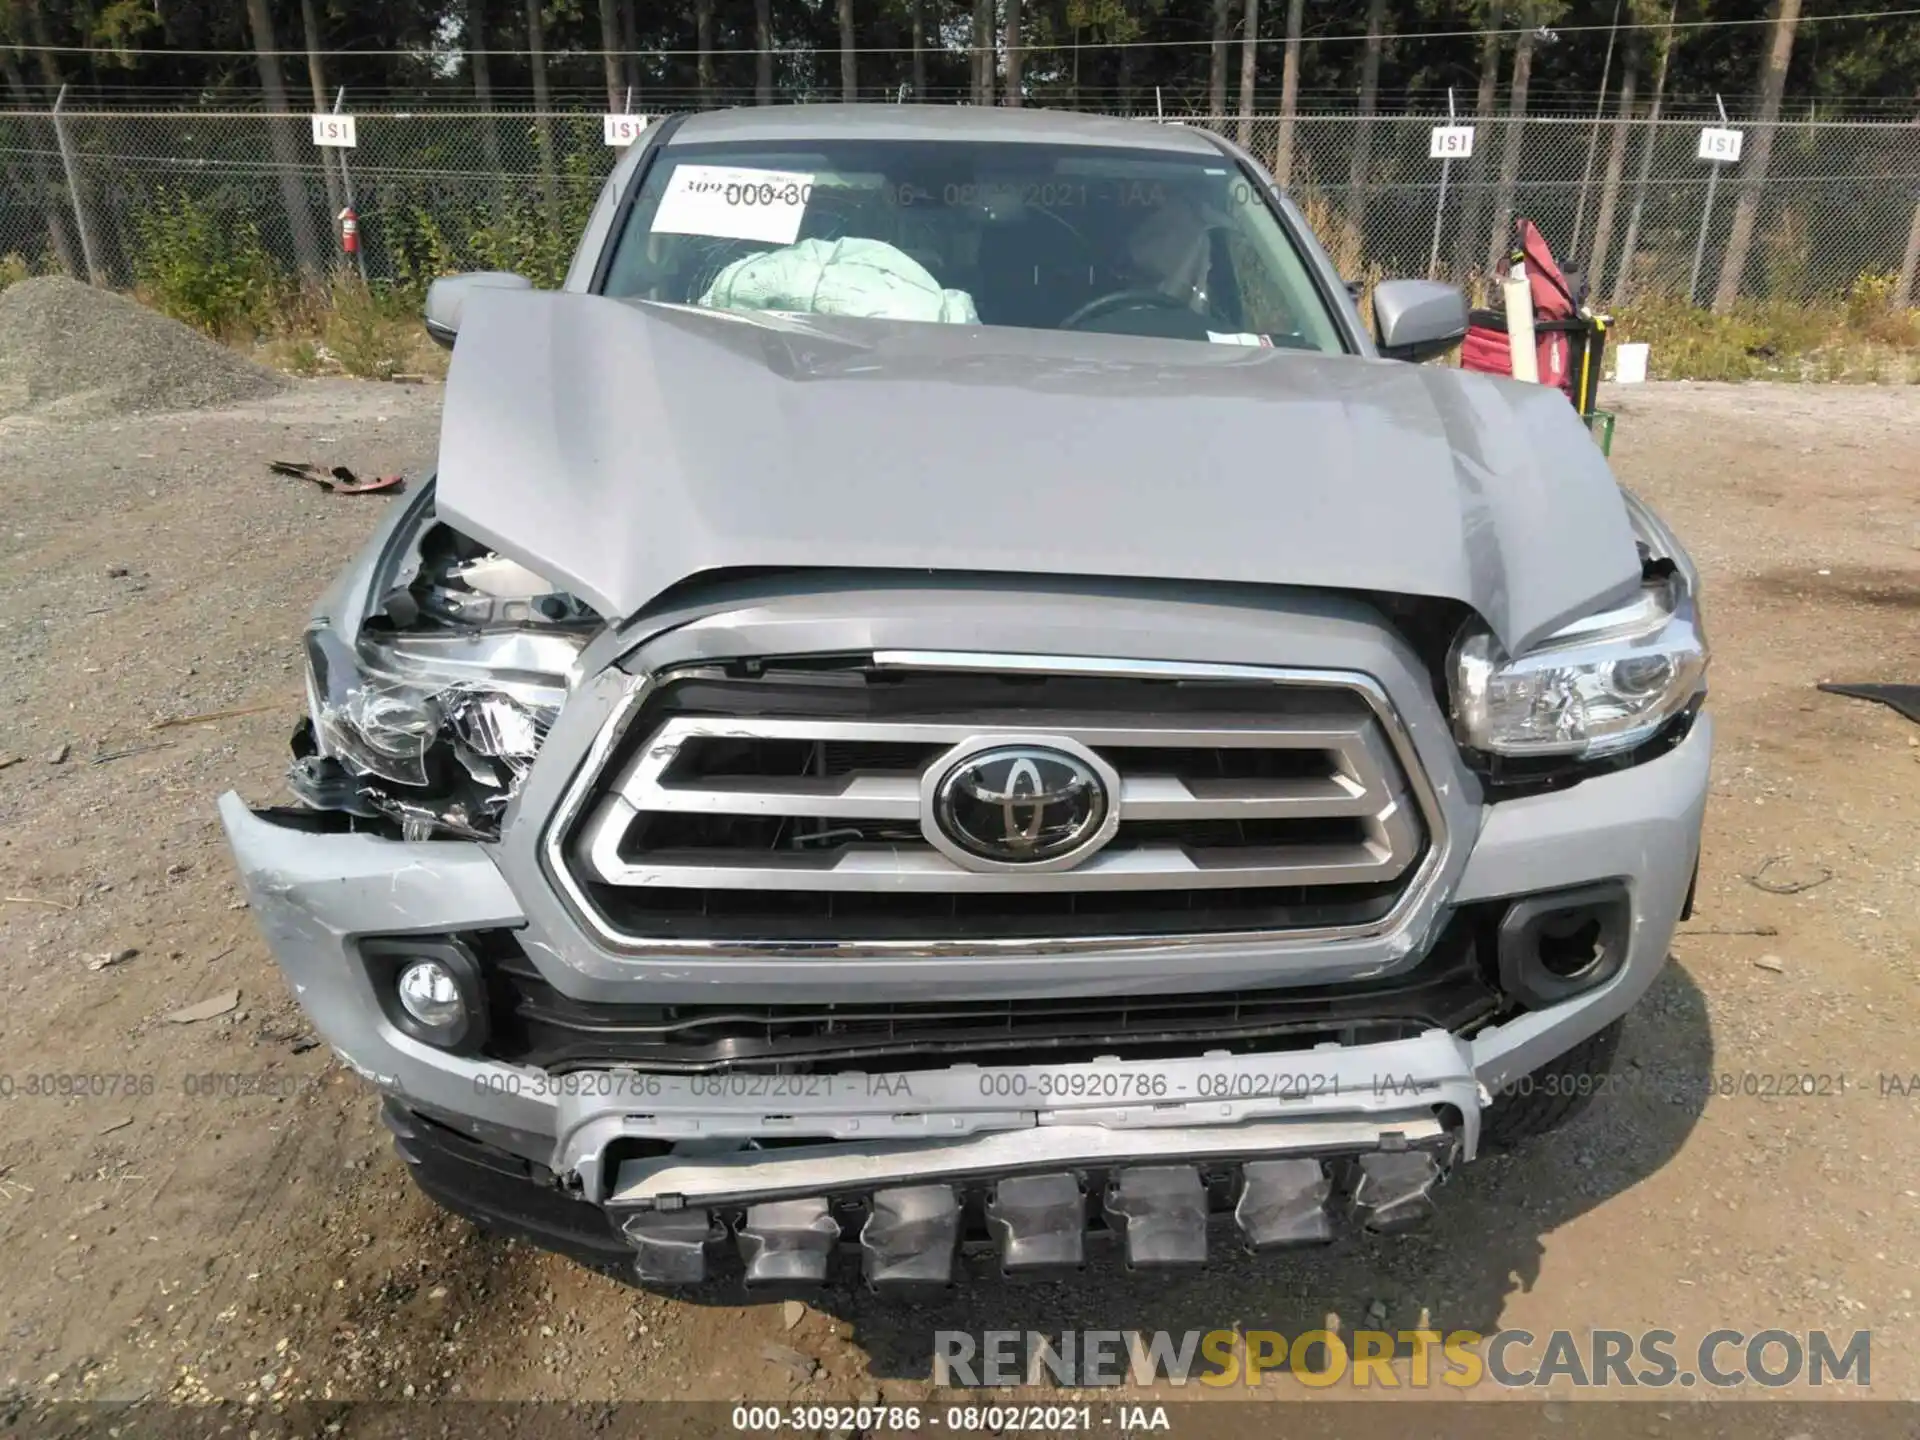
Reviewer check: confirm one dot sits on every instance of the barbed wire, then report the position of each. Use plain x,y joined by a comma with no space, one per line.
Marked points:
1329,100
427,53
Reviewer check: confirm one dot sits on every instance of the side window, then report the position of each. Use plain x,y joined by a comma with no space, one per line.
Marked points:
1263,298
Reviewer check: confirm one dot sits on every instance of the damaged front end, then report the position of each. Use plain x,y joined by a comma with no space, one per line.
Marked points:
428,713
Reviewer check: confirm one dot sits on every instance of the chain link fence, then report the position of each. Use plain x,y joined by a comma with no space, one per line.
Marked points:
101,193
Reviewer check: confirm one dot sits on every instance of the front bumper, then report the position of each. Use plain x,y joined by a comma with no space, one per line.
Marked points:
655,1144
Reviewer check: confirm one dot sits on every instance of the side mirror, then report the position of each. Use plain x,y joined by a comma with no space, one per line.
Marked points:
1417,319
447,297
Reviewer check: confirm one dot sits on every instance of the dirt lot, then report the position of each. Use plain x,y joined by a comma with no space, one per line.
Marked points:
162,1241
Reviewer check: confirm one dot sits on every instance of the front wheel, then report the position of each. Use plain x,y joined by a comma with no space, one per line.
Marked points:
1553,1094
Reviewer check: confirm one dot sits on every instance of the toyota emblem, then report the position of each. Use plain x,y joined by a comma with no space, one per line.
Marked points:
1020,805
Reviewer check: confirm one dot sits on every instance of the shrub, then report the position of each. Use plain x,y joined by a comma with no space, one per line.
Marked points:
1872,313
207,269
1860,337
368,333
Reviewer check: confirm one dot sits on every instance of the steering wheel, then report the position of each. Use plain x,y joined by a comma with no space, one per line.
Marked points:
1133,299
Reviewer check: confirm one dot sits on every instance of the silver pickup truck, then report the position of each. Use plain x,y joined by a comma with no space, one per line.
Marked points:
945,692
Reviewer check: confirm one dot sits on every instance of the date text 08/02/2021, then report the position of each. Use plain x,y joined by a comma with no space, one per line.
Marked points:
965,1419
1149,1084
1041,1085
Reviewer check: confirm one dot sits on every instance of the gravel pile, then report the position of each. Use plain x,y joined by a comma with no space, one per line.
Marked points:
71,350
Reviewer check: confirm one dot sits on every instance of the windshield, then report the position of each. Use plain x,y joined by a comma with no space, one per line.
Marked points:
1054,237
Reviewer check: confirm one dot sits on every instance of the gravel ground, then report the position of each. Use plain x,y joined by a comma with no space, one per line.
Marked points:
161,1243
75,351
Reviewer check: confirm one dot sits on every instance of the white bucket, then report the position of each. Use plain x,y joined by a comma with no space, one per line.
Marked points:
1630,363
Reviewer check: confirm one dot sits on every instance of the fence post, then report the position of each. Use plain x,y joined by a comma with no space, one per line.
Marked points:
346,183
88,250
1903,291
1706,215
1440,205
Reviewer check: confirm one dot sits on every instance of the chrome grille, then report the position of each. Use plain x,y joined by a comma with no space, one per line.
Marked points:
761,805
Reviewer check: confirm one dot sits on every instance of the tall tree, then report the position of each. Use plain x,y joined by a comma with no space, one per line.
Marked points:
1217,59
1289,87
981,40
1904,294
849,67
317,82
703,42
611,51
919,9
1532,15
1369,101
43,181
1664,41
1492,15
1596,260
1746,211
286,147
478,63
1903,291
542,104
1593,135
763,50
316,72
1013,47
630,45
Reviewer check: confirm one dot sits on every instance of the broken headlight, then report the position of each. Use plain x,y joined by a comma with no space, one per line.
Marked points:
1600,686
434,715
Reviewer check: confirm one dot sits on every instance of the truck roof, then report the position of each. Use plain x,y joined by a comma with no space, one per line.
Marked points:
983,123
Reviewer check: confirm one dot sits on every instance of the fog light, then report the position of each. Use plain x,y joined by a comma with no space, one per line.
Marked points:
431,995
430,988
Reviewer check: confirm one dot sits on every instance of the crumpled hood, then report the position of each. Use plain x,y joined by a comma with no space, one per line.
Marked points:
620,448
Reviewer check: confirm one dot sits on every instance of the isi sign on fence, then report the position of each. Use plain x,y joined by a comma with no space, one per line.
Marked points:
335,131
621,130
1720,146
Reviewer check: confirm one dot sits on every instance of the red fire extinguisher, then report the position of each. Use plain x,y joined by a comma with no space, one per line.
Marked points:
349,232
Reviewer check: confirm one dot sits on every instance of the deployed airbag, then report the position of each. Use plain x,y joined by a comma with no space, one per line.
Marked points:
867,279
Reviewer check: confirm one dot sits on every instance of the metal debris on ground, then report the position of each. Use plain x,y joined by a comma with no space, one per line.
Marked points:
36,900
1785,887
337,479
112,958
131,750
1904,698
208,1009
1771,962
208,716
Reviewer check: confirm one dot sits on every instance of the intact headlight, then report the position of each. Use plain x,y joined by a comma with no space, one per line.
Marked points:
1601,685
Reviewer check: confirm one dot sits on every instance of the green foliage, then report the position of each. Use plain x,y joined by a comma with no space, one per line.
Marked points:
1871,311
1861,338
521,230
13,269
369,333
205,268
298,355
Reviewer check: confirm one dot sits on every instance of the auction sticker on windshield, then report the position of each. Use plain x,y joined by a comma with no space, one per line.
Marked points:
734,202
